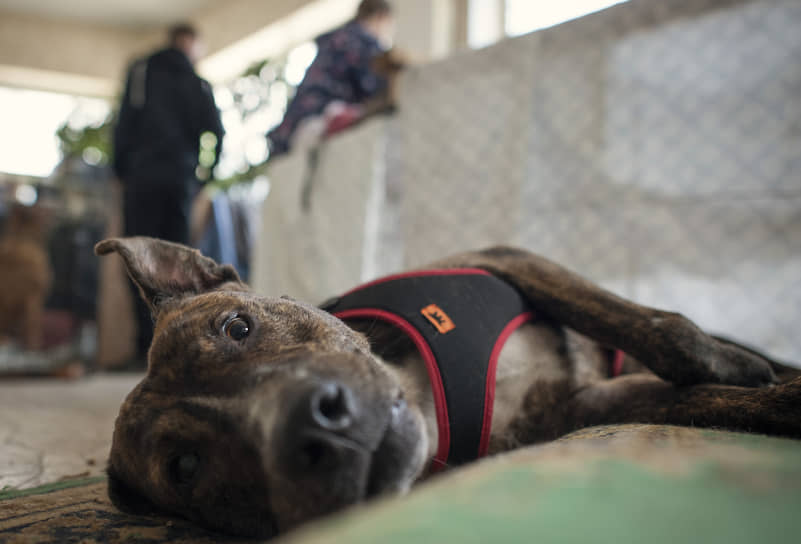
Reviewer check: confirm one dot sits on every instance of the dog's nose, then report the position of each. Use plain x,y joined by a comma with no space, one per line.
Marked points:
332,406
323,430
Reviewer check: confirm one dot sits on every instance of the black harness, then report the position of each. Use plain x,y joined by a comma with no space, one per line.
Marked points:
459,320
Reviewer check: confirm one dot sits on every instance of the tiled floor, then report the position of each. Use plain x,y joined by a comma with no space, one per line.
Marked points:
51,430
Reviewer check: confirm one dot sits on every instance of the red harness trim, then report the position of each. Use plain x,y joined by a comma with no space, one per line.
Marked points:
617,363
434,377
441,409
489,389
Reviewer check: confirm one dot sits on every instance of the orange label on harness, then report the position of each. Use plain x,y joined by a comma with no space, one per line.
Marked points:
438,318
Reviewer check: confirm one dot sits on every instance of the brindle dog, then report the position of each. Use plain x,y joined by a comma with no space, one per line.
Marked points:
257,414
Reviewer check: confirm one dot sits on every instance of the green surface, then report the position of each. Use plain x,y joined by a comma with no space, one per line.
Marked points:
702,487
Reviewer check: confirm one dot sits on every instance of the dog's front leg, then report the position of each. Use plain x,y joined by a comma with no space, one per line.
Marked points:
647,399
670,345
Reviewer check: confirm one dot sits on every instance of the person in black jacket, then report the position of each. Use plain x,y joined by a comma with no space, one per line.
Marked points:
165,109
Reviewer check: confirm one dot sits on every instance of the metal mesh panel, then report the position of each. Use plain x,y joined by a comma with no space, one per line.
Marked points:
654,147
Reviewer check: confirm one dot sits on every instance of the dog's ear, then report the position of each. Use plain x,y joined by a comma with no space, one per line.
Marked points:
164,270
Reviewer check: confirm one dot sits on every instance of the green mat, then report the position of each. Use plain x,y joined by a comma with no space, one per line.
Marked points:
621,484
630,483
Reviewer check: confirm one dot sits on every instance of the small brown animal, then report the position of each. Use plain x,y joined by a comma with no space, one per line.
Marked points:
258,414
389,64
25,276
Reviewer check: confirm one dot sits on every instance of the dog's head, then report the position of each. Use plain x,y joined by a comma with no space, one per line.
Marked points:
256,414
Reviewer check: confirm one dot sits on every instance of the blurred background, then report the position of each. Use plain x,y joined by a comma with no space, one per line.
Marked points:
652,145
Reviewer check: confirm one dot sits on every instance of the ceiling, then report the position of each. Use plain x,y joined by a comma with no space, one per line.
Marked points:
138,13
112,32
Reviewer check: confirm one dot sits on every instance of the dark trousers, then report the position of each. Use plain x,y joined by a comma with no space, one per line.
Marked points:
159,210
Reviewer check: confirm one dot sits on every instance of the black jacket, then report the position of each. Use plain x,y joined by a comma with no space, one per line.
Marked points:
165,109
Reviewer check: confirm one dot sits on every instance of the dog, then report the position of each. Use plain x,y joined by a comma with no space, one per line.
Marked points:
25,276
389,64
258,414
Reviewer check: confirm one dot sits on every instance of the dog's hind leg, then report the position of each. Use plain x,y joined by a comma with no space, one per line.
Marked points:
647,399
672,346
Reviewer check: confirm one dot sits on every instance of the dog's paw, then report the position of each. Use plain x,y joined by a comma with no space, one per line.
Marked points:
735,366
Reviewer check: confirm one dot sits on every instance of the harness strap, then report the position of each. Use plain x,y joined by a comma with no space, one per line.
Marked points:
459,321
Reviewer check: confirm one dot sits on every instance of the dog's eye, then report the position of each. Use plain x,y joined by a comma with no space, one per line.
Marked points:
184,468
236,328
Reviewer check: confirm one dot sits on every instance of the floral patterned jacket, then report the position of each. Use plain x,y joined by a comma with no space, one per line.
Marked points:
340,72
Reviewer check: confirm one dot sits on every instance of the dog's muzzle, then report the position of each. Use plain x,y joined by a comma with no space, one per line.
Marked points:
332,432
327,428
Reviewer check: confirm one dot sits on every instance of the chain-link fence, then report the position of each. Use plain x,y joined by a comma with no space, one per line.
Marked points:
654,147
